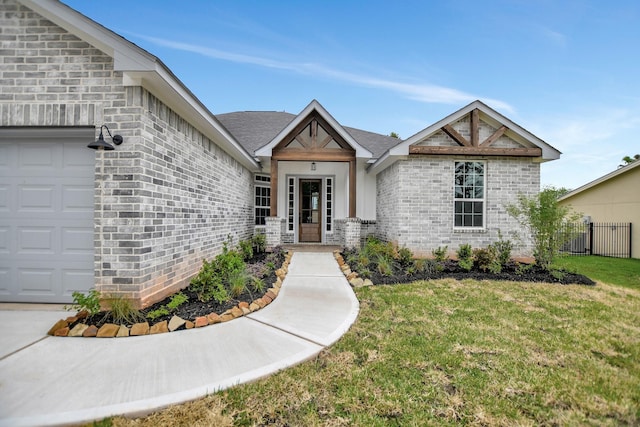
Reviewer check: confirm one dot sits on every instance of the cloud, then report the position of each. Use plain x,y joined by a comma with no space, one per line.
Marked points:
427,93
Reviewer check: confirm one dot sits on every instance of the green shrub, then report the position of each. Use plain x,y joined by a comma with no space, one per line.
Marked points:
159,312
246,249
122,310
465,257
427,266
440,254
487,259
89,302
405,256
503,249
384,265
177,300
259,242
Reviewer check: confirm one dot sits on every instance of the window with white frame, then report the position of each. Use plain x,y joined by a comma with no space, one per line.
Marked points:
469,195
262,198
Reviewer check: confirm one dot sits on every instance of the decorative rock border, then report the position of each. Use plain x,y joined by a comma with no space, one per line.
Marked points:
64,328
352,277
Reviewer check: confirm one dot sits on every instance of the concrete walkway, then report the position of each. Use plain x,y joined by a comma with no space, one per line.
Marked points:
52,381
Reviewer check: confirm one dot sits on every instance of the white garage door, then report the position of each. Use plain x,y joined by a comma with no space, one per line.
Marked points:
46,214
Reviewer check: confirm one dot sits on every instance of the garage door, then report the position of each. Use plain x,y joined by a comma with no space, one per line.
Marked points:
46,214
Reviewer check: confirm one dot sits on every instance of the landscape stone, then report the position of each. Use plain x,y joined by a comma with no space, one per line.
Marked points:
254,306
358,282
260,302
226,317
91,331
367,282
82,314
270,295
58,325
237,312
201,321
267,299
139,329
176,322
352,275
213,318
78,330
62,332
122,332
243,304
189,324
108,330
245,310
274,291
159,328
71,319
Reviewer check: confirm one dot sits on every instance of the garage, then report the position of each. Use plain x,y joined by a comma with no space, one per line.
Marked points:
46,213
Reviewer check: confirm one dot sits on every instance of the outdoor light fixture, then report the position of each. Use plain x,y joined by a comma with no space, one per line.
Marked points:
313,166
101,144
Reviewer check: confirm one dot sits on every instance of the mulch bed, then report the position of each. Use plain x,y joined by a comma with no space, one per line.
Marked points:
193,307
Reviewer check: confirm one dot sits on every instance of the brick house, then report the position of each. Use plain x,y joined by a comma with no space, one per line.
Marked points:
138,220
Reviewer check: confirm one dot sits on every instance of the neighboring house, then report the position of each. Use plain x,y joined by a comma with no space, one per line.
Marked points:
612,198
138,220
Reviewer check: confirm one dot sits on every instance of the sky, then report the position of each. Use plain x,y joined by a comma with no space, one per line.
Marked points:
567,71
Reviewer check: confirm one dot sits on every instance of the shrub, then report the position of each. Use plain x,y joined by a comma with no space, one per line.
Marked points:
384,265
237,283
440,254
465,257
159,312
207,284
405,257
543,217
427,266
89,302
246,249
503,249
177,300
487,259
259,242
123,311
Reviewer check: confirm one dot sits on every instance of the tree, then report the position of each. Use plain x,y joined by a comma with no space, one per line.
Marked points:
628,160
394,135
543,217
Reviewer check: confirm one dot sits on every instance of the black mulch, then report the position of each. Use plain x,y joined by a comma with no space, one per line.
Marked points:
193,307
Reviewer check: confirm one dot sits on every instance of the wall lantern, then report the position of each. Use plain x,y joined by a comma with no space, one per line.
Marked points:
313,166
101,144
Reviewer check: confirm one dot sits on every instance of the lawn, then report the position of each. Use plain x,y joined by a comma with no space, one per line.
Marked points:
617,271
451,352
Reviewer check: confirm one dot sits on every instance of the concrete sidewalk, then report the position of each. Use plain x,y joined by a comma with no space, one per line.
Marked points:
52,381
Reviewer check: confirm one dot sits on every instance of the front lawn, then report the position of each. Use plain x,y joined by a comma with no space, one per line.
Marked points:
617,271
451,352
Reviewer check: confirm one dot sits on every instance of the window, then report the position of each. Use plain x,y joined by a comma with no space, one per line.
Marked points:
329,208
263,199
291,184
469,195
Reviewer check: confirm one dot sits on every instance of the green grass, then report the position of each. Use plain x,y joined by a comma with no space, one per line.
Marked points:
616,271
451,352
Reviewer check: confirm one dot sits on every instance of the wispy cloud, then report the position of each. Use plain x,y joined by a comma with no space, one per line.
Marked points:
422,92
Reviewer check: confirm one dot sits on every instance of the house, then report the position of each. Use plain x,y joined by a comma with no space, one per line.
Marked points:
612,198
138,219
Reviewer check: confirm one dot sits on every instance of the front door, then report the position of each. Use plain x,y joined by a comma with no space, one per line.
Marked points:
310,215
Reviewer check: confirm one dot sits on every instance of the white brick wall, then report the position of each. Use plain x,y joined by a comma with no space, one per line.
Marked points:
415,202
165,198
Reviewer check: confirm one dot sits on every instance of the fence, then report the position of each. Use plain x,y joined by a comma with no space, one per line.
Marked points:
604,239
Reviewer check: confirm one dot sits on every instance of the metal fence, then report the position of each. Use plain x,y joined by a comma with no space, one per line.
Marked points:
604,239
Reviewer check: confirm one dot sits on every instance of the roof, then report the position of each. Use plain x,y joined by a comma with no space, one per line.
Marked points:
256,129
607,177
489,115
140,68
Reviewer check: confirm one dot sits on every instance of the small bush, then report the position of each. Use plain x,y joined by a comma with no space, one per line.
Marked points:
427,266
384,265
246,249
177,300
405,257
259,242
159,312
503,249
487,259
440,254
123,311
89,302
465,257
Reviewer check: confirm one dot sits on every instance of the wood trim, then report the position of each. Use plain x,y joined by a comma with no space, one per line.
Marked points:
461,140
322,155
477,151
352,189
494,137
273,202
475,127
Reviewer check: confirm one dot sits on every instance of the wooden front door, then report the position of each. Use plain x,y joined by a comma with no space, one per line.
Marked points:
310,214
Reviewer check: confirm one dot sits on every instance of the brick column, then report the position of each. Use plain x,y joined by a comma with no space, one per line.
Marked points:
352,232
273,231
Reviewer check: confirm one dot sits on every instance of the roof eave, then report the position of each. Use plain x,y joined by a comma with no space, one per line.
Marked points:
600,180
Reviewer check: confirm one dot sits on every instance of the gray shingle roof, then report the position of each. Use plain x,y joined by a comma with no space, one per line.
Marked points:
253,129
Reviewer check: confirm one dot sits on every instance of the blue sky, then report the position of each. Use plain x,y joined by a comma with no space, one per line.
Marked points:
567,71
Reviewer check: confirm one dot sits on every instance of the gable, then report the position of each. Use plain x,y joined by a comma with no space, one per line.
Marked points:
312,131
474,130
